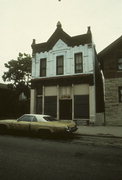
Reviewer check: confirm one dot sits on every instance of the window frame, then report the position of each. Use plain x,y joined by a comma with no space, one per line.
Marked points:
77,64
43,67
59,65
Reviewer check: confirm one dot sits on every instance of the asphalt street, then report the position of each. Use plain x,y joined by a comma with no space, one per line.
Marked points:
66,158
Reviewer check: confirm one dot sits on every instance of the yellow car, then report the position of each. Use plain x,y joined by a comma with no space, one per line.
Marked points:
39,124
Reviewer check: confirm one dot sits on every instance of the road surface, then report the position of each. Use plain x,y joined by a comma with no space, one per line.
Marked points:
34,158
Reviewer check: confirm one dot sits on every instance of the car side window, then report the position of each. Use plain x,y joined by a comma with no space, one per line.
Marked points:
49,118
26,118
34,119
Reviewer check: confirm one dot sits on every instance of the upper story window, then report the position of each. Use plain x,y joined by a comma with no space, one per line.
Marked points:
59,65
120,94
78,63
43,67
119,64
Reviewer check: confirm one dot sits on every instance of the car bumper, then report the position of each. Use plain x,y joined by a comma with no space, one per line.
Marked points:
72,129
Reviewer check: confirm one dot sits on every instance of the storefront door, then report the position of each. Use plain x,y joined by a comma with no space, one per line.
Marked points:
65,109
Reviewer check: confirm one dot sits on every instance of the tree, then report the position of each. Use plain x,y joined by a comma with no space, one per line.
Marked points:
19,76
19,71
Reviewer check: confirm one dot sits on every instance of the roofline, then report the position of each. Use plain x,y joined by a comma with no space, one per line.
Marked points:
110,46
59,33
71,37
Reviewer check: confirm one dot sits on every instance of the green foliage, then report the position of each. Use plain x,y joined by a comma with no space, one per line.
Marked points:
19,71
18,76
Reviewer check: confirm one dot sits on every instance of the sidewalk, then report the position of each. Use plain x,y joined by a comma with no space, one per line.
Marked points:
108,131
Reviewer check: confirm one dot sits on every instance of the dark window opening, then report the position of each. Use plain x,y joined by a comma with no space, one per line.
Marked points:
119,64
59,65
120,94
78,63
43,67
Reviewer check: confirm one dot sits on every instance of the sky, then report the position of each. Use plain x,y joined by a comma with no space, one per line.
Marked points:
23,21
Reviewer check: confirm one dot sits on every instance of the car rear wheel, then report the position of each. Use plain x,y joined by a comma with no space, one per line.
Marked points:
3,128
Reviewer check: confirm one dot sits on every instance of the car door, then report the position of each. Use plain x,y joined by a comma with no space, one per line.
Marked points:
38,124
34,124
23,123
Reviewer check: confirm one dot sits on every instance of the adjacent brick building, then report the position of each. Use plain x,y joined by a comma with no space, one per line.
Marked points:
111,63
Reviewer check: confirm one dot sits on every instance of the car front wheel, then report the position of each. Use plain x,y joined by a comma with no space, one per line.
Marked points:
44,132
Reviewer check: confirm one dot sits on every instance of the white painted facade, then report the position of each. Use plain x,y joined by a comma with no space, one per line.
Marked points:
52,90
61,92
59,49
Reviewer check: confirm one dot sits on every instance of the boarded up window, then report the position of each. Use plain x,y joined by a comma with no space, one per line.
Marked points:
50,105
81,106
65,109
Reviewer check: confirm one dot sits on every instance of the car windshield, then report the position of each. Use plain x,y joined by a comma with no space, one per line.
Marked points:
49,118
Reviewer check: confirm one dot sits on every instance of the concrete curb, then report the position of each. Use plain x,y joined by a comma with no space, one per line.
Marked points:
98,135
100,131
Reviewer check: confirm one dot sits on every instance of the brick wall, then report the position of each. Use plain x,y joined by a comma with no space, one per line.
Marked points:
113,108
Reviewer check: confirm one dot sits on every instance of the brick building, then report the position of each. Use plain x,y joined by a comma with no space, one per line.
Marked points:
111,63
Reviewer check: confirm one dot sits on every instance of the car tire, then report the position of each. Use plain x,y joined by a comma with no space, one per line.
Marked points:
3,128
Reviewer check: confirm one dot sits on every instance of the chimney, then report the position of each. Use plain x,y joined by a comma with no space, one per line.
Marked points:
59,25
33,42
88,30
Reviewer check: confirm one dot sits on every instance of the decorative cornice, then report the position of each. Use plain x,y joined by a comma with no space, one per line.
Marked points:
60,34
63,80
